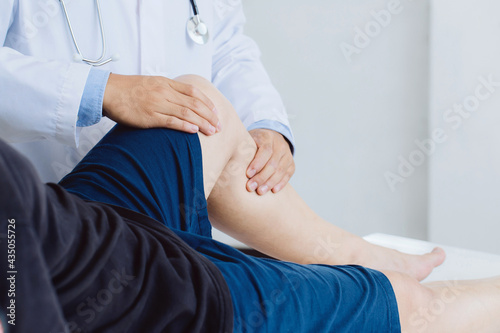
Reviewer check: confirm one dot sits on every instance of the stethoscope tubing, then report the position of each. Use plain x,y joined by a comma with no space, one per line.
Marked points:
99,62
194,5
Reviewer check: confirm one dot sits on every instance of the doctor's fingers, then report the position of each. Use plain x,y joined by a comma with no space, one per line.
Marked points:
171,122
188,115
286,178
270,175
279,178
196,100
192,110
192,91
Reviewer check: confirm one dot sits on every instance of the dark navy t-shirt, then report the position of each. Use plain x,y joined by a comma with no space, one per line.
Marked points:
179,290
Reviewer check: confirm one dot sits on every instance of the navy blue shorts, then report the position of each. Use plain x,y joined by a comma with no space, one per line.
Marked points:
159,173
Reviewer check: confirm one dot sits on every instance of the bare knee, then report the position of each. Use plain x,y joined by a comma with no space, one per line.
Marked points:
223,152
196,81
224,109
223,106
232,128
415,302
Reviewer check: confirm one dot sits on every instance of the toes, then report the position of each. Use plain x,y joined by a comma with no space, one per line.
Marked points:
437,250
439,256
428,262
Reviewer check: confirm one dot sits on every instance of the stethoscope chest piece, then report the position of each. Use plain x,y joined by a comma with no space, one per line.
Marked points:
197,30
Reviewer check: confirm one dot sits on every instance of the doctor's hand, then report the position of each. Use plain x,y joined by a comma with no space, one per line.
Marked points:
154,101
273,165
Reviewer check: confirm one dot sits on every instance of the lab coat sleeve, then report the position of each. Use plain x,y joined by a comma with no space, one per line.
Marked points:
239,74
39,99
90,112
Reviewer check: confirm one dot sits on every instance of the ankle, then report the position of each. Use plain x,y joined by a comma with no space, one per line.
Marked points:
364,254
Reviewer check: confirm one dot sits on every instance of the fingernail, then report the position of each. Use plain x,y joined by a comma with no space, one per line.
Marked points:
251,173
211,129
195,128
263,189
277,188
219,126
253,186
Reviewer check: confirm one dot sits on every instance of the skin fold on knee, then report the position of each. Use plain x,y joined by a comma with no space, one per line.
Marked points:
223,147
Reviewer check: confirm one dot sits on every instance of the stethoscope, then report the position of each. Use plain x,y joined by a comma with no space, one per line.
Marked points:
196,29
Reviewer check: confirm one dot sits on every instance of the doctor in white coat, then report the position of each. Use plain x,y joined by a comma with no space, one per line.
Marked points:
54,107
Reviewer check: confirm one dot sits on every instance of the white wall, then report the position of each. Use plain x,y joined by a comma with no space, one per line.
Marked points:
356,120
465,170
352,120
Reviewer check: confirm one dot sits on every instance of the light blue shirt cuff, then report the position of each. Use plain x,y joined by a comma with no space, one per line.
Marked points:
277,127
90,111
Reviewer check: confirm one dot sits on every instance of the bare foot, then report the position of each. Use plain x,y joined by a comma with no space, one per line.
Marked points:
416,266
421,266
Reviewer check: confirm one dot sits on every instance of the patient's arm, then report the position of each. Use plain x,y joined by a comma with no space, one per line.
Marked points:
281,225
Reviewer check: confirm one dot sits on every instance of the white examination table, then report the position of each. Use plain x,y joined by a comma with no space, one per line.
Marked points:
460,264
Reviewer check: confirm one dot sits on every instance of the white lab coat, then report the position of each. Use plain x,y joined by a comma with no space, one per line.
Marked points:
41,86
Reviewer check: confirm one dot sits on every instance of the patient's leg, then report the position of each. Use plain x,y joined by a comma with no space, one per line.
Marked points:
449,306
281,225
